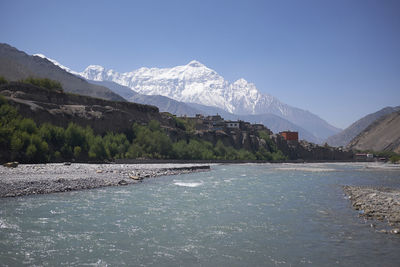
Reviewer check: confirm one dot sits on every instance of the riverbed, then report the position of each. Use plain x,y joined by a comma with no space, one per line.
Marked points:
33,179
232,215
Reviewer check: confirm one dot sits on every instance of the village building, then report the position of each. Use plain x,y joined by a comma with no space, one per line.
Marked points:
290,136
233,124
364,157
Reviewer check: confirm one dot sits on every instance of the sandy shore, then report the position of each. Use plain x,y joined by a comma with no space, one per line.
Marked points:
377,203
49,178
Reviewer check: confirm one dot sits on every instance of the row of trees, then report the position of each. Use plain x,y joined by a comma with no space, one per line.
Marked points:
41,82
21,139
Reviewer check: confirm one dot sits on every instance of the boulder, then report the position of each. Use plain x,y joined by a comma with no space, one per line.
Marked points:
123,182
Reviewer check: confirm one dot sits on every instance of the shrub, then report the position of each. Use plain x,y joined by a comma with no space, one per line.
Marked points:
44,82
3,80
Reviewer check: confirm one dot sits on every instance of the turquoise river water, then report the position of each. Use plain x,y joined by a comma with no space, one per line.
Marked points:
233,215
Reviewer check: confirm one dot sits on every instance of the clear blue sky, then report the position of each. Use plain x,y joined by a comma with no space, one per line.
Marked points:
338,59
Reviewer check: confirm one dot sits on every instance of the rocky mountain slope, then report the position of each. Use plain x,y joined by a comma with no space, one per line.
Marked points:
381,135
59,108
344,137
16,65
165,104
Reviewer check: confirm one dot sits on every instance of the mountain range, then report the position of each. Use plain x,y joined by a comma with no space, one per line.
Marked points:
181,89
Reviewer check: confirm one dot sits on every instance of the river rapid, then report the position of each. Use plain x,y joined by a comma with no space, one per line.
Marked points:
234,215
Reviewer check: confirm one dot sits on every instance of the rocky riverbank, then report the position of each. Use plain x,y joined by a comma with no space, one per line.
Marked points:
32,179
381,204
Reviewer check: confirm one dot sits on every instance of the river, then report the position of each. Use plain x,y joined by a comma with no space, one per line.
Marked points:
234,215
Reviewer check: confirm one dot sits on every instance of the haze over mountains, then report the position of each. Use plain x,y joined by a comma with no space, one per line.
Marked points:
195,83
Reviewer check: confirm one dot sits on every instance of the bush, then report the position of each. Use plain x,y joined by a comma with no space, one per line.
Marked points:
3,80
394,158
44,82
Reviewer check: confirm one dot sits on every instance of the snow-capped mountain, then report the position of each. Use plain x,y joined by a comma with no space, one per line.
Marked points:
196,83
55,62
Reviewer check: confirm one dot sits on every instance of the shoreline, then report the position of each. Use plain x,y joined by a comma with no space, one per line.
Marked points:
376,203
34,179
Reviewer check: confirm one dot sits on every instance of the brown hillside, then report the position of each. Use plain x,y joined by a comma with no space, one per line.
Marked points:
382,135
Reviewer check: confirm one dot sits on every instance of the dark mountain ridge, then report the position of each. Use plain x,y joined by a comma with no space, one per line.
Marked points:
59,108
344,137
16,65
381,135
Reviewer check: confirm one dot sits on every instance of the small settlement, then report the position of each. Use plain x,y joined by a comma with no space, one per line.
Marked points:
217,123
245,135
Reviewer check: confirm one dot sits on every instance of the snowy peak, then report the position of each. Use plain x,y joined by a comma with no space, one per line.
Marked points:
94,72
55,62
95,68
241,82
193,82
195,64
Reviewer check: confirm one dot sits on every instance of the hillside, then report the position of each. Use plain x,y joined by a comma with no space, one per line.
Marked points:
344,137
16,65
165,104
60,109
381,135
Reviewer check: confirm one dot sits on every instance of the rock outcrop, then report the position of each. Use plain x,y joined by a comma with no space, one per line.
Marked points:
59,108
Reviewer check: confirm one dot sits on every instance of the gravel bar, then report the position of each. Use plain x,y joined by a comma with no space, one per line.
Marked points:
29,179
381,204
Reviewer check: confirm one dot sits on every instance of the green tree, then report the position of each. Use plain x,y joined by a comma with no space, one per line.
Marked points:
77,151
28,125
3,80
44,82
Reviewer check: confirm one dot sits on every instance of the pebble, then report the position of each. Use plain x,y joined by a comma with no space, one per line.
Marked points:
30,179
395,231
377,204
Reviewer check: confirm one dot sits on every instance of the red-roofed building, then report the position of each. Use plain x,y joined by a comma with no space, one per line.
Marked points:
290,136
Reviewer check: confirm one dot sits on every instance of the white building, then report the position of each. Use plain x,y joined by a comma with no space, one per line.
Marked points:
233,124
